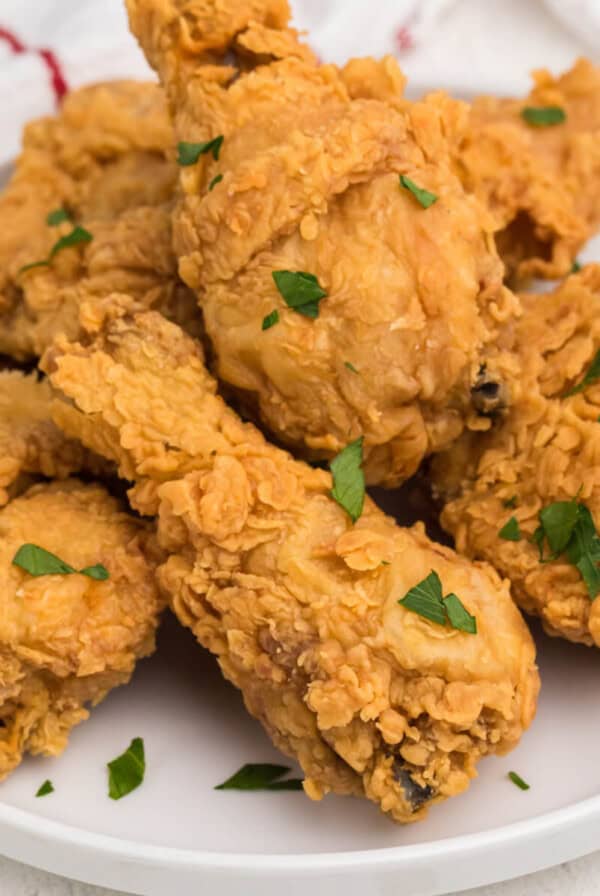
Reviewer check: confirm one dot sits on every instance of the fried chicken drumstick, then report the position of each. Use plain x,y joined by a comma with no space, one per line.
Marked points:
67,640
283,170
299,605
102,170
540,466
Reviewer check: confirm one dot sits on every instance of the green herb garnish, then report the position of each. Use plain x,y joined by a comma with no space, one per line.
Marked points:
518,780
543,116
349,479
426,599
568,527
270,320
38,561
189,153
127,771
46,788
216,180
76,236
424,197
510,503
57,216
300,291
592,374
575,267
511,531
350,366
260,776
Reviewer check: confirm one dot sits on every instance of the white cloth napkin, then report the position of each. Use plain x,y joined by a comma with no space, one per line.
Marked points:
471,45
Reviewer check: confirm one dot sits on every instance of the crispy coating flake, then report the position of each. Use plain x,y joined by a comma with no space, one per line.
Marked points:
546,449
67,640
311,183
106,159
541,183
300,606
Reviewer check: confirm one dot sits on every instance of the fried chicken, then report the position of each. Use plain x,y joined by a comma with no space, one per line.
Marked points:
547,449
106,160
310,183
542,183
30,443
299,605
67,640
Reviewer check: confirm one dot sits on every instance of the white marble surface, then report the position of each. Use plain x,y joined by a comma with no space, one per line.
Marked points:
580,878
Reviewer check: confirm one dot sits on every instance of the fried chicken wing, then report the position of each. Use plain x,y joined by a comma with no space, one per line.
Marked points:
106,160
30,443
542,183
307,180
299,605
67,640
546,450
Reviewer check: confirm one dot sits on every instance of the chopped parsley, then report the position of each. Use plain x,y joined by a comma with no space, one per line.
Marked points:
511,530
349,479
350,366
426,599
568,527
46,788
261,776
57,217
126,772
216,180
543,116
270,320
189,153
518,781
76,236
38,561
300,291
592,374
575,267
510,503
423,197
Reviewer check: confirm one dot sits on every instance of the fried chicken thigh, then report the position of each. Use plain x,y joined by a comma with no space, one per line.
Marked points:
309,182
67,640
547,449
299,605
542,183
106,160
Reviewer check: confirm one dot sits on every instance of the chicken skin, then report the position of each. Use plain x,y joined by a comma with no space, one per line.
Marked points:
546,450
542,183
300,606
307,180
105,161
30,443
67,640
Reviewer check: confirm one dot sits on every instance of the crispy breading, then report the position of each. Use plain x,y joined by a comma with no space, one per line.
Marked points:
541,183
310,182
299,605
107,160
67,640
546,449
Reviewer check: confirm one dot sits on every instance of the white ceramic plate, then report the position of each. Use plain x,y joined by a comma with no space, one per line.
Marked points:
177,834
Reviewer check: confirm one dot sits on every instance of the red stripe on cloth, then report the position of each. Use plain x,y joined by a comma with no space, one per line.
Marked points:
404,38
57,79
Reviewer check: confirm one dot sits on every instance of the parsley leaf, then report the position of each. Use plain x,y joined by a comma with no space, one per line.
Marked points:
423,197
260,776
270,320
46,788
300,291
543,116
575,267
349,479
518,780
510,503
127,771
591,375
558,521
216,180
350,366
569,528
38,561
511,531
426,599
189,153
76,236
56,217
